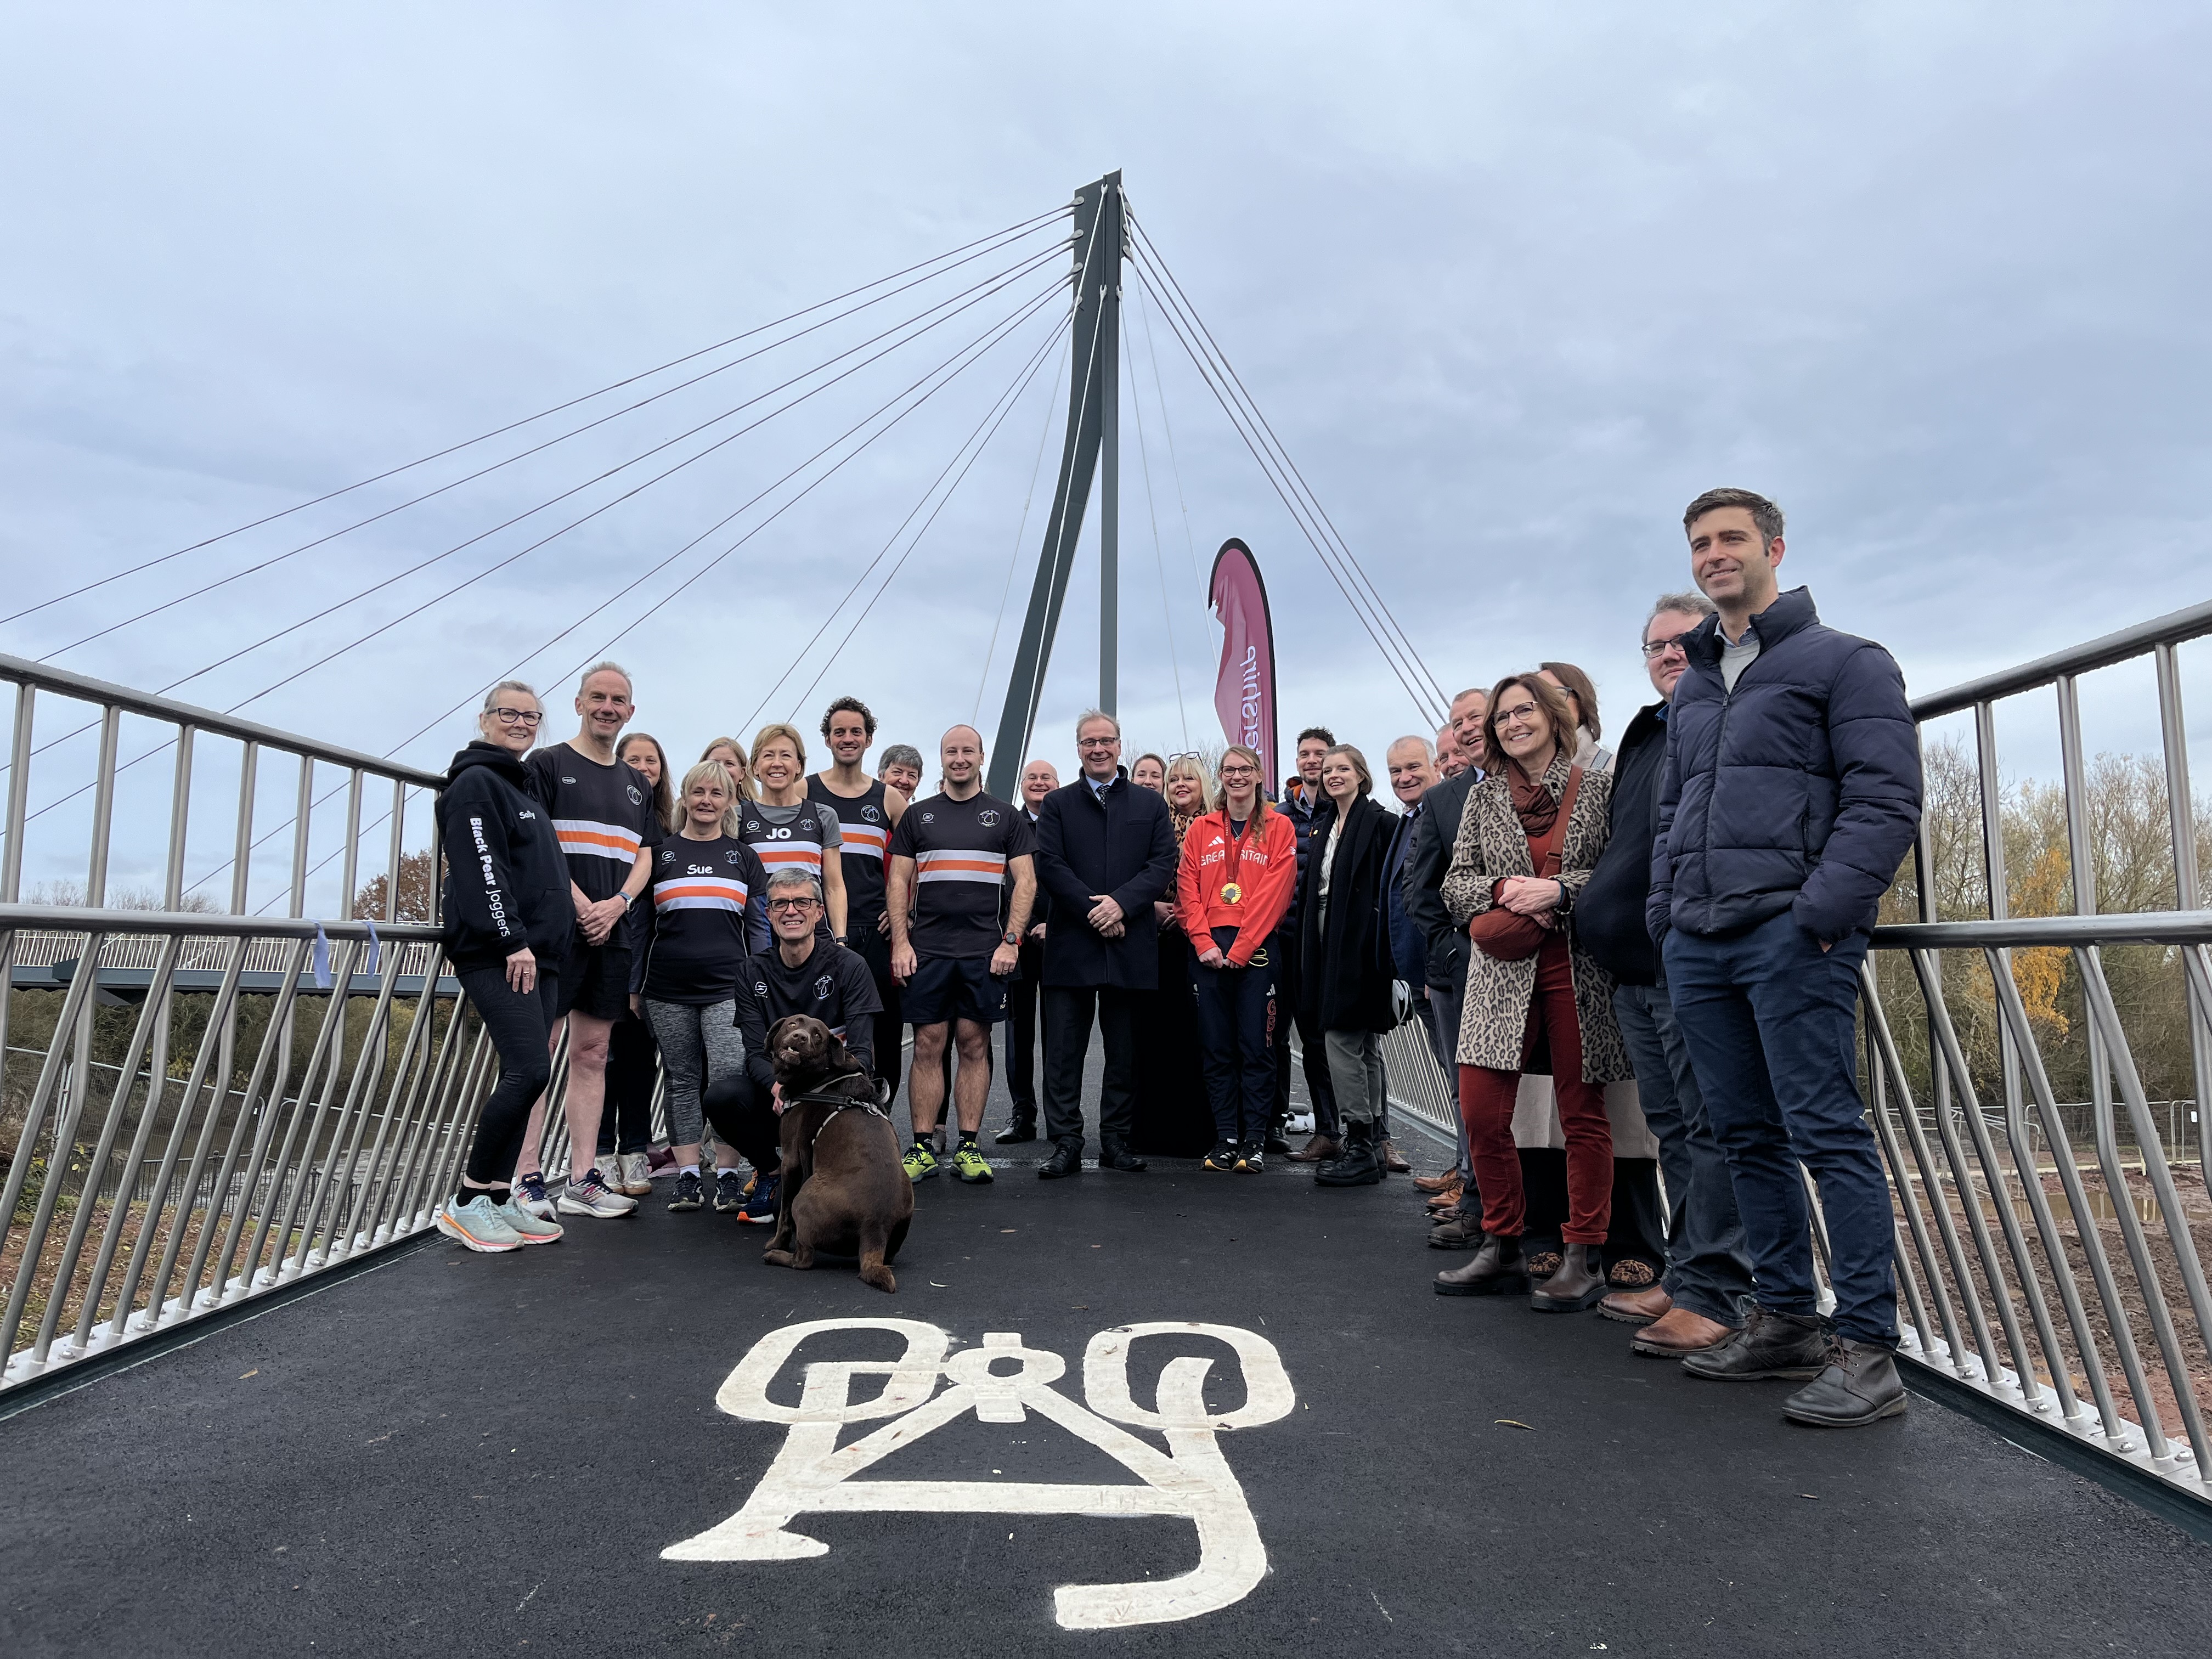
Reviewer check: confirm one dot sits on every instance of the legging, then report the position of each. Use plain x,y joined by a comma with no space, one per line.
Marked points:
699,1046
1485,1104
518,1023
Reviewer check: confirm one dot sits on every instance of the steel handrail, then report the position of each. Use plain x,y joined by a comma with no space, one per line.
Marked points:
2175,627
208,923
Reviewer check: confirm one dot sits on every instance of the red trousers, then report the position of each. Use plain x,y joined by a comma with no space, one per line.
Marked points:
1485,1106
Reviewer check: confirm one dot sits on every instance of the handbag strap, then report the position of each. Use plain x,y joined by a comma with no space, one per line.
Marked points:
1547,867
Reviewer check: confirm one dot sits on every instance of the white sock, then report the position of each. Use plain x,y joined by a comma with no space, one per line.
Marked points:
688,1170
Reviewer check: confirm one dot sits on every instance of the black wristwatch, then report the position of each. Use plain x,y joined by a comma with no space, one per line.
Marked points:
1011,938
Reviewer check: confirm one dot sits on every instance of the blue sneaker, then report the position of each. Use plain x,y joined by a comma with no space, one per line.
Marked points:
760,1208
477,1225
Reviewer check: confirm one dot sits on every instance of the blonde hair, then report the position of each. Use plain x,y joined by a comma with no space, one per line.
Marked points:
744,775
1259,783
1190,766
712,771
766,735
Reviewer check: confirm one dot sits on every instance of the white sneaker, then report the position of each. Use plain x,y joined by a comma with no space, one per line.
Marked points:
530,1229
529,1198
592,1196
634,1174
478,1224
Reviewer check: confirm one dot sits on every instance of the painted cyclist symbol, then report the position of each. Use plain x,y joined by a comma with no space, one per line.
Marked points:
1190,1480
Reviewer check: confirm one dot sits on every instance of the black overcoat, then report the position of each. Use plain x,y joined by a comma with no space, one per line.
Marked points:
1344,970
1120,844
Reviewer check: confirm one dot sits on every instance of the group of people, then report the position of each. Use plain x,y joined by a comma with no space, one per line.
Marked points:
1636,964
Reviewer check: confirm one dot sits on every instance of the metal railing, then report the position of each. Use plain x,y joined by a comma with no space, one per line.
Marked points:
242,1125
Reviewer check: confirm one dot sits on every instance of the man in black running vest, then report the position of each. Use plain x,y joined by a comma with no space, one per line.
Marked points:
867,811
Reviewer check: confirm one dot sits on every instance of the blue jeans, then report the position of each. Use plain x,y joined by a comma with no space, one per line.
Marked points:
1768,1020
1708,1271
1236,1037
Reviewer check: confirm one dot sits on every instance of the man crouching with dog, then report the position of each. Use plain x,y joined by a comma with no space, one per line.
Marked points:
804,979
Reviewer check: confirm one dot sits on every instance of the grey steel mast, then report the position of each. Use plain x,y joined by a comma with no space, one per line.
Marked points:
1094,393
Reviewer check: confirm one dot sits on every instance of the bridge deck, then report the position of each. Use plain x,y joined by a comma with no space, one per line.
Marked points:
495,1450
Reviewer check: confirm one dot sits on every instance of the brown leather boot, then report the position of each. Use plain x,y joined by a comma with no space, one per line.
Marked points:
1461,1230
1320,1146
1392,1159
1443,1181
1635,1304
1495,1270
1577,1285
1680,1332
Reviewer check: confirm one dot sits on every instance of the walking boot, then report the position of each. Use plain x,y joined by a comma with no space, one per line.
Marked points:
1577,1284
1859,1385
1495,1270
1315,1151
1392,1160
1359,1166
1769,1344
1020,1127
1114,1154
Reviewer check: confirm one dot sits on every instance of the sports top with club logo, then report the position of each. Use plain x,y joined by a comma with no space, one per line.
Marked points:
695,923
602,814
832,985
865,823
960,850
790,838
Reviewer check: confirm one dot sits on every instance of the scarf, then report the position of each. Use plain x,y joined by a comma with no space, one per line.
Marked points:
1535,805
1179,822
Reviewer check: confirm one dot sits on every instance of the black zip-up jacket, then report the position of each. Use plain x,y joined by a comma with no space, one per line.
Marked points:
506,882
1609,915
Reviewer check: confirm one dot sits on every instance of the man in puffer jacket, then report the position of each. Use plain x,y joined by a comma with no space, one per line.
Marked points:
1789,793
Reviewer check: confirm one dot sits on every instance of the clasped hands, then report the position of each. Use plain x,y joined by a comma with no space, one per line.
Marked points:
1532,896
1106,916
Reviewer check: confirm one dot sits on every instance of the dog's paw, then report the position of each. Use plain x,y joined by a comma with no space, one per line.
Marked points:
776,1258
882,1278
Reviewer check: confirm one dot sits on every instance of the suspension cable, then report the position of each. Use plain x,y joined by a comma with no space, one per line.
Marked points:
1009,232
1418,699
1150,252
1175,467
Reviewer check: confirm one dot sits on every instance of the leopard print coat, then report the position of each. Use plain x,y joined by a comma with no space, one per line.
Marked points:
1494,1019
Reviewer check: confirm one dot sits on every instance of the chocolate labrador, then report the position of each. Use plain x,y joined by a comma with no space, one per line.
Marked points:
844,1188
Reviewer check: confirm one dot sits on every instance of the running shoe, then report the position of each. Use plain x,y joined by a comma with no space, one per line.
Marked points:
760,1205
1249,1159
634,1174
1223,1156
527,1227
729,1192
920,1163
478,1225
971,1166
530,1196
687,1194
592,1196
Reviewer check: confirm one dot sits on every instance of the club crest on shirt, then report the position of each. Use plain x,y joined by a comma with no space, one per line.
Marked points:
822,988
731,855
568,779
636,799
751,828
668,855
929,817
988,819
760,990
870,814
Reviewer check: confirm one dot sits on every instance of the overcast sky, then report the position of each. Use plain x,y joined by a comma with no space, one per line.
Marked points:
1511,287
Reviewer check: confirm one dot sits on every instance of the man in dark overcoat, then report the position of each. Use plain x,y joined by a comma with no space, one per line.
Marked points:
1105,852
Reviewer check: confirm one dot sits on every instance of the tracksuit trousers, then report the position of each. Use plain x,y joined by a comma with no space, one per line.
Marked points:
1237,1040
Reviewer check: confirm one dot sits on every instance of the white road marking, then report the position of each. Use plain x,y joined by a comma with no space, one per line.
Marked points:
1191,1479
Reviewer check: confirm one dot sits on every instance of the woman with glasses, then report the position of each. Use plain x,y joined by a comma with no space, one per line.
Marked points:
1232,887
1531,834
626,1126
1345,969
704,877
509,919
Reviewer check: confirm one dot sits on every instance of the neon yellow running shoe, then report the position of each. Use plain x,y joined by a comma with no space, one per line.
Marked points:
970,1166
920,1163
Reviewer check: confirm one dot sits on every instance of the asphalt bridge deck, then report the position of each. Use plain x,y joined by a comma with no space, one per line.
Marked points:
488,1453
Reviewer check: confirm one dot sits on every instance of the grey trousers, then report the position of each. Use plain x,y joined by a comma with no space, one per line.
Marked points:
699,1046
1708,1267
1355,1072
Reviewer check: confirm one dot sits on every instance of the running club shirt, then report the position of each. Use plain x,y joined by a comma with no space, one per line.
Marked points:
790,838
602,814
832,985
694,921
864,825
960,850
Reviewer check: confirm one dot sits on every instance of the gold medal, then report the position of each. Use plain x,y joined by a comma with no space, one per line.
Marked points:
1232,892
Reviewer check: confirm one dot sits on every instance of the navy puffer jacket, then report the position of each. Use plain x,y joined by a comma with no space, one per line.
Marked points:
1800,790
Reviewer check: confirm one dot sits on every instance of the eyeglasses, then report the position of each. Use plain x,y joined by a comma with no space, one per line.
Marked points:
1096,742
1228,772
518,716
1520,714
1659,648
793,904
